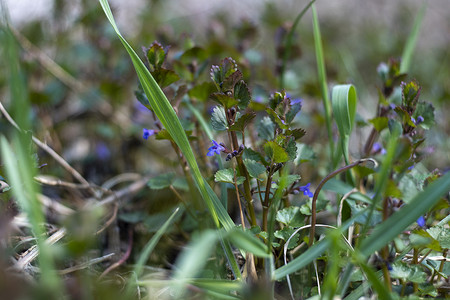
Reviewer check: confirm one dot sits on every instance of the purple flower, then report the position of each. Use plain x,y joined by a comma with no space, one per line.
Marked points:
411,167
216,148
419,120
102,151
147,132
421,221
306,191
296,101
378,148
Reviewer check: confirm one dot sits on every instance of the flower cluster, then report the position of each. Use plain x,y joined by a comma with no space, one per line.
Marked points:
215,149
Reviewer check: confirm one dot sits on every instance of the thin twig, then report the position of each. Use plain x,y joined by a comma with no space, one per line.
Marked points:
319,188
124,258
50,151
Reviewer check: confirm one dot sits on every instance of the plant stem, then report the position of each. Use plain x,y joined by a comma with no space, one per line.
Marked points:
266,203
319,187
243,171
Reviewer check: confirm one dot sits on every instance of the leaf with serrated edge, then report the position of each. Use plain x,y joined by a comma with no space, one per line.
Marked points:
243,121
227,175
219,119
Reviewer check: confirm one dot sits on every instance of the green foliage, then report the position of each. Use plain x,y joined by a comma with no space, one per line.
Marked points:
306,223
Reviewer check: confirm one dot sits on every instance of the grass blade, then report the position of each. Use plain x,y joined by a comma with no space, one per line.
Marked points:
407,215
166,114
412,40
322,78
344,111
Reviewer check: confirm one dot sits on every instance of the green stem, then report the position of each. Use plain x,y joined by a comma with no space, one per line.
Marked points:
244,172
266,203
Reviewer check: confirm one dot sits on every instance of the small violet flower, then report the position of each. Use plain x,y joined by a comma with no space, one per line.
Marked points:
147,133
378,148
306,191
421,221
215,149
296,101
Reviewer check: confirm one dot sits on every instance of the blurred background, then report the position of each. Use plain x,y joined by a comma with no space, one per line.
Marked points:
82,84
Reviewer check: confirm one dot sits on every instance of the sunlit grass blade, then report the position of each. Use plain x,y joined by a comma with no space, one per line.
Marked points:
192,260
344,110
289,41
412,40
376,283
207,129
408,214
144,255
166,114
322,78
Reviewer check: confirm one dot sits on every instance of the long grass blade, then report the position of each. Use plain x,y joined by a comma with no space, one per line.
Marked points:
407,215
344,111
166,114
412,40
322,78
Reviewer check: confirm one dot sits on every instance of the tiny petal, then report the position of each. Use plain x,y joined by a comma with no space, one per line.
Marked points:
421,221
146,133
306,191
420,119
296,101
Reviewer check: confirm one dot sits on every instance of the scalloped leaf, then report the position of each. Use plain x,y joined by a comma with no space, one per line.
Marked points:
410,93
219,119
254,168
291,216
281,123
164,77
426,111
227,175
266,128
223,99
275,152
242,94
155,55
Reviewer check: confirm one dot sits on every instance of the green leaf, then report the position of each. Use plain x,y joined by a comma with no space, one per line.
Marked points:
344,109
248,242
291,216
441,234
243,121
379,123
202,91
242,94
161,181
230,82
410,94
266,129
305,153
155,56
227,175
281,123
275,152
164,77
226,101
285,233
219,119
254,168
408,214
296,133
409,273
291,149
251,154
426,111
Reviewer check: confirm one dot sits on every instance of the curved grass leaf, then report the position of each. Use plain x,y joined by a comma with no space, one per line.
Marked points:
344,110
412,40
166,114
407,215
248,242
322,77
